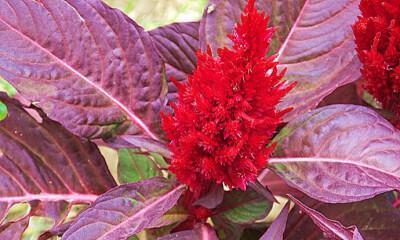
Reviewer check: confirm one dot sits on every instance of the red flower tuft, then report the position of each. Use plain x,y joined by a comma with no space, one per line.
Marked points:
377,34
226,113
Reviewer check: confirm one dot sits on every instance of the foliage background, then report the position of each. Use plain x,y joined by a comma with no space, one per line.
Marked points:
153,13
149,14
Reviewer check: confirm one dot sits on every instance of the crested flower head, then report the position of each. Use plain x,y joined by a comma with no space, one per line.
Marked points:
225,114
377,34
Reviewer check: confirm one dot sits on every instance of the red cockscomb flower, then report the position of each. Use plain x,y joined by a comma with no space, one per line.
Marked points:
377,34
225,114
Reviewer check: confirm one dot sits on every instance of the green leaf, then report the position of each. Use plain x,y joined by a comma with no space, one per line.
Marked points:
37,226
244,207
6,87
3,111
159,160
134,166
175,215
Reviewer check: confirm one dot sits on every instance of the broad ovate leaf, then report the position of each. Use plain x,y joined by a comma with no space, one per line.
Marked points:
339,153
314,41
277,228
319,53
177,44
43,164
220,17
331,228
200,232
374,218
88,66
125,210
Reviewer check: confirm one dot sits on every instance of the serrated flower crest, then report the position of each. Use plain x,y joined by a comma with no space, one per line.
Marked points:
377,36
225,115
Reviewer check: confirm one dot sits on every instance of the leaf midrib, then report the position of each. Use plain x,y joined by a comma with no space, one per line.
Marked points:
328,160
132,116
46,197
142,211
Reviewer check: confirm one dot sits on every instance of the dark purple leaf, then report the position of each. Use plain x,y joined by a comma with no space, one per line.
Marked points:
221,15
200,232
56,231
14,230
263,190
177,44
332,229
276,184
318,51
212,198
45,165
275,231
339,153
125,210
172,217
86,65
134,141
346,94
375,218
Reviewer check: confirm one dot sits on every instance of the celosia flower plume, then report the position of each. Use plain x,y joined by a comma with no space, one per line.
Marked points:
225,114
377,34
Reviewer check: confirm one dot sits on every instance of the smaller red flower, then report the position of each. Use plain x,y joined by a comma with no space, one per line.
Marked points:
226,113
377,36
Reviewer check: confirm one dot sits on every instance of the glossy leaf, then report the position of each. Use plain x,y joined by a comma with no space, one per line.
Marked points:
86,65
319,53
340,153
41,163
200,232
125,210
375,218
331,228
177,44
244,207
221,15
134,166
316,46
277,228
